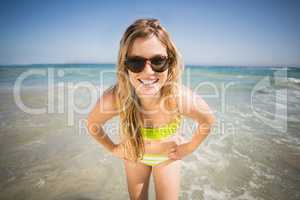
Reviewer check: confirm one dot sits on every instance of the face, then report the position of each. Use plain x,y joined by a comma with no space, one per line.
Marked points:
147,82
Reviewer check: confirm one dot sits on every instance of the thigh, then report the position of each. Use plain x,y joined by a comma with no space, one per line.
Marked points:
167,180
138,176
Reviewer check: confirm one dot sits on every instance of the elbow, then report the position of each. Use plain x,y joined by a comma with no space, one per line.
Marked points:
92,126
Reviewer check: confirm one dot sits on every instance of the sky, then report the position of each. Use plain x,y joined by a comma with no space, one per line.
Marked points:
211,32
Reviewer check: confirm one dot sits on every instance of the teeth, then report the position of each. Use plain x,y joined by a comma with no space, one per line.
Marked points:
148,81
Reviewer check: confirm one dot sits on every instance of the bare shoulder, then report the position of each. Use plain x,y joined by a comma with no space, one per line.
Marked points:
105,107
109,99
193,105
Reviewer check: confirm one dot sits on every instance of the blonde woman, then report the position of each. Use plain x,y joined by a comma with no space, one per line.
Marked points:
150,101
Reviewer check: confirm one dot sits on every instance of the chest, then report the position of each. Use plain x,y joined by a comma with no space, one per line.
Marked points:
156,120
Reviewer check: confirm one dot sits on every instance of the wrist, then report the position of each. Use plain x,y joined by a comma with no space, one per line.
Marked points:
112,147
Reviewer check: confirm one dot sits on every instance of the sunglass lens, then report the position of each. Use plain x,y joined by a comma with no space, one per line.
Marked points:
135,65
159,63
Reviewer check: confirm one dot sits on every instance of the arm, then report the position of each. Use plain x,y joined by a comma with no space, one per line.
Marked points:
104,110
196,108
193,106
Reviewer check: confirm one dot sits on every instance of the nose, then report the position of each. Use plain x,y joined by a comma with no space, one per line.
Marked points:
148,68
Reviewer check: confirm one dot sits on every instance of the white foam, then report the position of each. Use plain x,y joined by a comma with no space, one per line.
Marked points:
212,193
294,80
245,195
241,155
254,185
261,170
40,183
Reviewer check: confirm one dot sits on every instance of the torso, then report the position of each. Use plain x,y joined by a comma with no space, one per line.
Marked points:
158,119
161,146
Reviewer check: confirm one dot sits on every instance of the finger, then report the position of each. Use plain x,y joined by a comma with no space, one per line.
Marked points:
172,150
172,153
173,156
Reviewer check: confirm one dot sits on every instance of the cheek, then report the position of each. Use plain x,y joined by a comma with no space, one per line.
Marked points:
163,77
133,79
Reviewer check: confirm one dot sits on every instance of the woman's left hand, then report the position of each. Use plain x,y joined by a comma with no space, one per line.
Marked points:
180,151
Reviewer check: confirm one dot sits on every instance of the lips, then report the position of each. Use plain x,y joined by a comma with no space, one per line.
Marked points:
148,82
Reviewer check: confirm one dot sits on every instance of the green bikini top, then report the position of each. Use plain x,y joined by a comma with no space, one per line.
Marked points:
161,132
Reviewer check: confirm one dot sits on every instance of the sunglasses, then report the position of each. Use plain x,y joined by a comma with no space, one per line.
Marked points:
136,64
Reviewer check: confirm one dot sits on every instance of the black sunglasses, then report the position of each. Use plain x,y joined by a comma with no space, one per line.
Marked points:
136,64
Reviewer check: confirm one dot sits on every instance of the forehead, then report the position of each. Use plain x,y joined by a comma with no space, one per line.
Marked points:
147,47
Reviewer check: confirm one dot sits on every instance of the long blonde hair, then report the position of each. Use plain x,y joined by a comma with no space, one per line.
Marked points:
127,99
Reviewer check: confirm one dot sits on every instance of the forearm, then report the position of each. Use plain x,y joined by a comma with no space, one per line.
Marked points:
98,133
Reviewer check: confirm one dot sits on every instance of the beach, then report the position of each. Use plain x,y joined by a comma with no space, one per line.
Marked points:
253,151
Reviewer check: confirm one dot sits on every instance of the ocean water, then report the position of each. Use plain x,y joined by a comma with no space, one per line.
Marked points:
253,151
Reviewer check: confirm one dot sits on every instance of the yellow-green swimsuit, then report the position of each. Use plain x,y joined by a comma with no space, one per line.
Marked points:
158,134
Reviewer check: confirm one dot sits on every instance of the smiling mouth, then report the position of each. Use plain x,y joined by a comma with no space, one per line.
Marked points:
148,82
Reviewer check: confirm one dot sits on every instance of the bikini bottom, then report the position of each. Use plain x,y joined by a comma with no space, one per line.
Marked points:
153,159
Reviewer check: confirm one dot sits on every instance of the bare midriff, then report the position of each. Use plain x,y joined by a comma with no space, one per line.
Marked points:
165,145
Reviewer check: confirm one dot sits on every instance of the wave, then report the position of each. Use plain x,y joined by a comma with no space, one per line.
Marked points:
294,80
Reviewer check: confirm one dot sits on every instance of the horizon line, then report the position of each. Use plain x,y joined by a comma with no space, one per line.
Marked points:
188,65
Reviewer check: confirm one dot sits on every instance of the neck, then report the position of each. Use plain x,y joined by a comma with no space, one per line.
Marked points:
150,102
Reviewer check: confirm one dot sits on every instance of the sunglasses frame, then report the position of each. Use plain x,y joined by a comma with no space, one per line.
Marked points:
138,69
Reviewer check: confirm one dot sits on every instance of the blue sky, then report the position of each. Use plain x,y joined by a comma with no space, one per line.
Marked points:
212,32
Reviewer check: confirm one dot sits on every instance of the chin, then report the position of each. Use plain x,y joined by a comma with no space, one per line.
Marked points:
149,92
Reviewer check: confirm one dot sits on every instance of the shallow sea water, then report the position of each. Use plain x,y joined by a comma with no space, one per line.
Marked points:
253,151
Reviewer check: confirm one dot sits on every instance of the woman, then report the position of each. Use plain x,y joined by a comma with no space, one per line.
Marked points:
150,101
